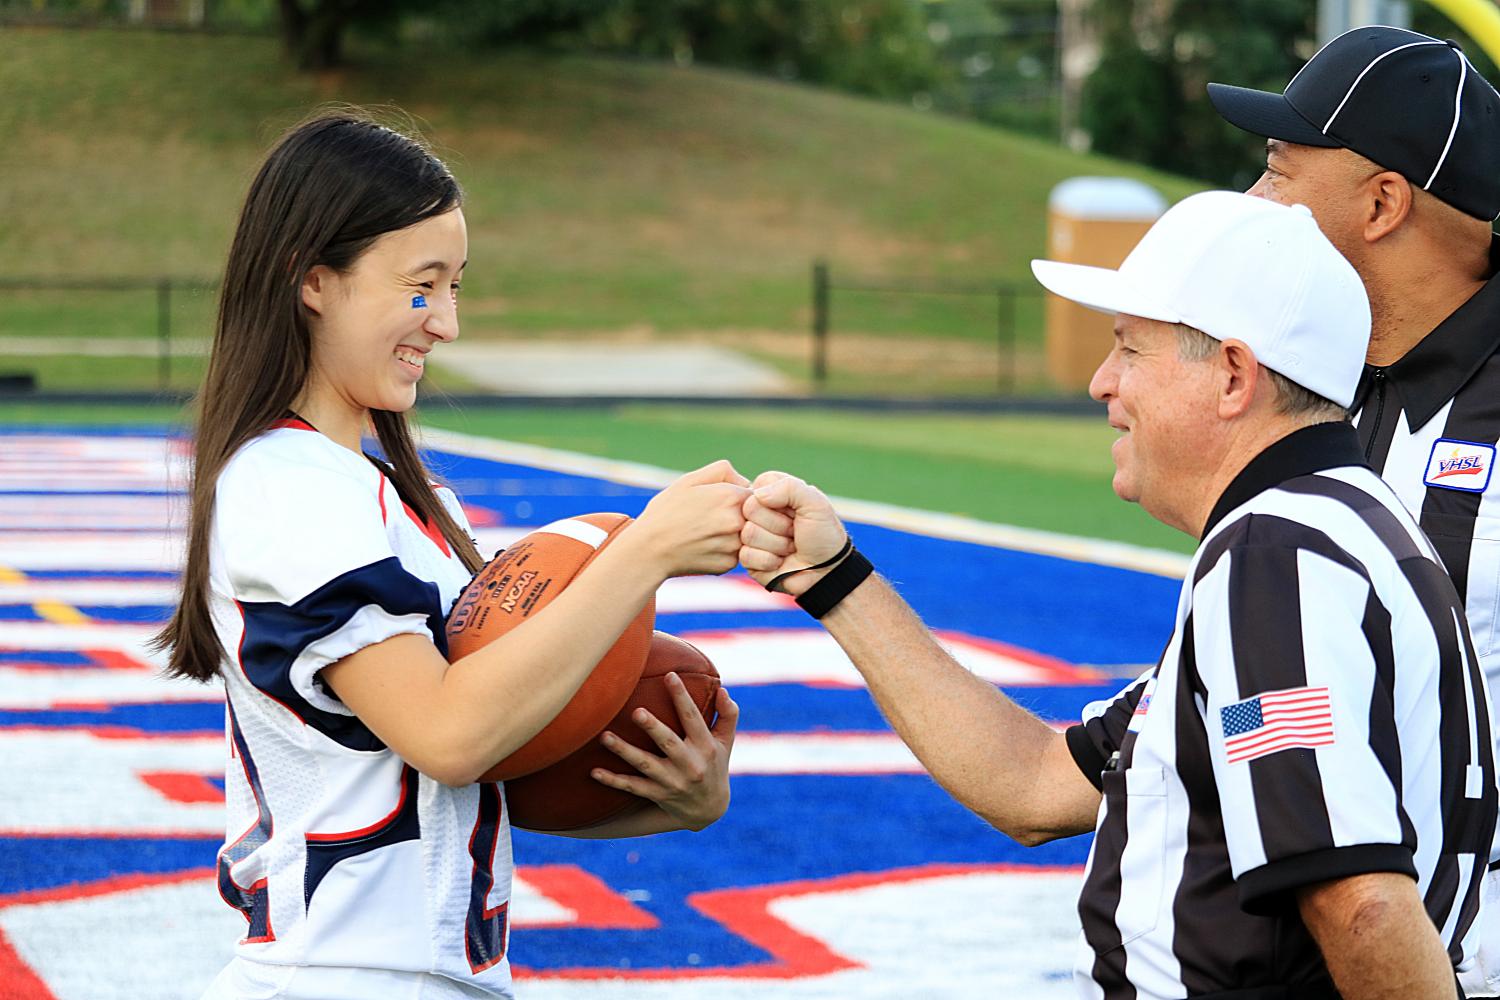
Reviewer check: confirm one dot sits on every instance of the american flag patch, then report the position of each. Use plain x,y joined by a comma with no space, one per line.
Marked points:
1277,720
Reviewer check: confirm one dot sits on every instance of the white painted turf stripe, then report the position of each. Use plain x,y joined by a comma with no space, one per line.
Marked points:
890,930
743,657
681,594
58,791
964,529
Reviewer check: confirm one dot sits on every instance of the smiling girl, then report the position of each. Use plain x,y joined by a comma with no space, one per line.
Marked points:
366,860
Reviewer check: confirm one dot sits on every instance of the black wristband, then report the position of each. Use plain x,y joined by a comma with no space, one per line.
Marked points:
823,596
775,586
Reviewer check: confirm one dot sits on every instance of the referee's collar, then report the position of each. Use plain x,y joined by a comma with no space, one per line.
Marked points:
1310,449
1441,363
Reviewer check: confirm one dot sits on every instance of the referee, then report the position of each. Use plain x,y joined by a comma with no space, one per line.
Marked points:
1298,800
1393,140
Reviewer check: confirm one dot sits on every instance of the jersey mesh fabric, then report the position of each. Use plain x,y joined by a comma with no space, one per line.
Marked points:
342,857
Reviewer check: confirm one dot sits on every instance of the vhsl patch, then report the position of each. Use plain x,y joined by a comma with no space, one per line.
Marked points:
1460,465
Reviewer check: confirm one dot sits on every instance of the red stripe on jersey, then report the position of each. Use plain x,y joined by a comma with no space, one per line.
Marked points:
374,827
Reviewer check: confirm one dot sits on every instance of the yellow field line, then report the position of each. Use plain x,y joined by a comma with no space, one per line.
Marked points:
62,614
8,575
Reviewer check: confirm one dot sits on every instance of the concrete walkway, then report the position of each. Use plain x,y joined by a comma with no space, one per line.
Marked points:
584,368
568,368
98,347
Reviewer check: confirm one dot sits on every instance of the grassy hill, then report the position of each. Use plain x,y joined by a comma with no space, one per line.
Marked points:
602,195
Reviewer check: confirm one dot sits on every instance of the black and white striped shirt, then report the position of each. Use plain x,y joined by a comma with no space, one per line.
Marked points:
1318,713
1429,424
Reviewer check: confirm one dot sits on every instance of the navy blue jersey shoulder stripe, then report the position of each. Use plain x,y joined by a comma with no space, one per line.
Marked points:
276,634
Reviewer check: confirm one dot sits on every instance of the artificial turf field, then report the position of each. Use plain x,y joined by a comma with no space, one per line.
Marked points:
840,870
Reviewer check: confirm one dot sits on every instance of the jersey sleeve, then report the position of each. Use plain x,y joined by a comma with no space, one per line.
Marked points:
1294,652
1098,737
305,556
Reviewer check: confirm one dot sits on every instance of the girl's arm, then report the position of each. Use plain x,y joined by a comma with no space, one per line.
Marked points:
453,722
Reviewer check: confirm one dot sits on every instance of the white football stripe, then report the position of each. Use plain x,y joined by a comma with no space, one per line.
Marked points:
589,534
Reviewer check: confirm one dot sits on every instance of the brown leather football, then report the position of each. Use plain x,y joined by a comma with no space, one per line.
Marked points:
565,796
518,583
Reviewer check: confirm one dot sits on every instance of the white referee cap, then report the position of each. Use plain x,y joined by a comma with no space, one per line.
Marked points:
1242,268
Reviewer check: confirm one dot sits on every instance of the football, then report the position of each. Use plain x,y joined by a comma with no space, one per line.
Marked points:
565,796
519,582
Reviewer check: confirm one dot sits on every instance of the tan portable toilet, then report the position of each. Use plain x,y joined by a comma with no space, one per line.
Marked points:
1096,221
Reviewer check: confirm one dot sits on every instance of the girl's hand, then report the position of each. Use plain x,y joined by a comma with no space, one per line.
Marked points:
691,782
693,526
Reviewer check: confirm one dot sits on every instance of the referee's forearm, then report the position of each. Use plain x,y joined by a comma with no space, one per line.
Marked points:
996,758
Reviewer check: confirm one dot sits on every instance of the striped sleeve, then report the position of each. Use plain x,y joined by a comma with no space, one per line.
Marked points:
1294,653
1098,737
305,556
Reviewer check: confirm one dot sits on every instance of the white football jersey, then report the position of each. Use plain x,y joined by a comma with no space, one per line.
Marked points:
338,852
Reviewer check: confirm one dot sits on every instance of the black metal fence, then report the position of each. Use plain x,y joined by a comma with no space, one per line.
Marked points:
867,339
125,318
1002,299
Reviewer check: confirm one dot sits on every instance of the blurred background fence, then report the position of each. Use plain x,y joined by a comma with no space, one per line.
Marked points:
131,335
95,334
980,355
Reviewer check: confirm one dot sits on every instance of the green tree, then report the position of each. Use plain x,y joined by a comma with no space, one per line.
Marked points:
1133,101
313,30
877,47
1148,102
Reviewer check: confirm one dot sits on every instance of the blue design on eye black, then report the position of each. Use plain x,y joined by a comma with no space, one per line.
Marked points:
419,302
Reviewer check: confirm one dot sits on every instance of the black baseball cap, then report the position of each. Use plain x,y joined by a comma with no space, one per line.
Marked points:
1409,102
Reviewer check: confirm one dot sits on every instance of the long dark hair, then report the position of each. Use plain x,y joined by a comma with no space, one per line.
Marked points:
328,190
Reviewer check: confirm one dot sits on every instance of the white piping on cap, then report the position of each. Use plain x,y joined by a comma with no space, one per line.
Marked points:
1458,93
1328,43
1328,124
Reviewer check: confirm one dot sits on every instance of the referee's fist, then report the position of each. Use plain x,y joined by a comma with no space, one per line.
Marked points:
789,525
